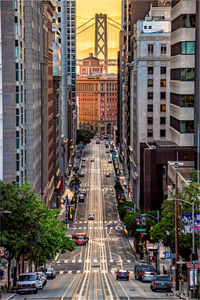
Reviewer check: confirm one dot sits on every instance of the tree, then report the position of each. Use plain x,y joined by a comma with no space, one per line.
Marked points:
165,229
31,229
84,136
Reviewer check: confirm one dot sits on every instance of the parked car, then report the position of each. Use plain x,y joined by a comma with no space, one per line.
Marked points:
28,282
121,274
50,273
148,276
107,151
42,277
110,161
108,174
80,173
83,159
145,269
92,159
91,217
138,269
161,282
82,165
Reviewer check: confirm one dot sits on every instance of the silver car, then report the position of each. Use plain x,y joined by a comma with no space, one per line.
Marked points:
28,282
50,273
148,276
42,278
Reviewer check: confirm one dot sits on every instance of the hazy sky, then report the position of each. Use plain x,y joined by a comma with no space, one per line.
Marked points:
85,10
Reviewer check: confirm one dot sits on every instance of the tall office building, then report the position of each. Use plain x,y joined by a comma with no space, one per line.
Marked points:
33,95
67,27
13,90
1,109
182,72
149,91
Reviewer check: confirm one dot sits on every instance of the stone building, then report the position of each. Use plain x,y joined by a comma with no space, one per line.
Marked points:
97,97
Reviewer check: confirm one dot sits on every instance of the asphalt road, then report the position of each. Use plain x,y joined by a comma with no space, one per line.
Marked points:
89,272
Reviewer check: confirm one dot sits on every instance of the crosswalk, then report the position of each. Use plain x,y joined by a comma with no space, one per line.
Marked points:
81,271
75,261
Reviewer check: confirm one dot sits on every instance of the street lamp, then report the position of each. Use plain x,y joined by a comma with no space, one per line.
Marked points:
193,241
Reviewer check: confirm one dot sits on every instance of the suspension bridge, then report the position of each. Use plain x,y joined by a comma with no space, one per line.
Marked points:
101,29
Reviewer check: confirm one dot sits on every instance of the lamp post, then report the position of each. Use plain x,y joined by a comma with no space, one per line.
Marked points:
193,241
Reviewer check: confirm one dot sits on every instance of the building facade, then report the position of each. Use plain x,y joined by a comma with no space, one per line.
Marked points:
1,109
149,91
67,27
182,72
97,97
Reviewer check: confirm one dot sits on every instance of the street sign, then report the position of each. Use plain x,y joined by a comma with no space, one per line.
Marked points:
1,251
143,220
140,229
138,220
168,255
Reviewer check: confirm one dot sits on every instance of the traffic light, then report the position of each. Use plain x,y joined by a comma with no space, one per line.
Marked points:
193,258
142,235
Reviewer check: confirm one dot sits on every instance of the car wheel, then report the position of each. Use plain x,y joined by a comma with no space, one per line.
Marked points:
169,290
117,278
35,292
127,278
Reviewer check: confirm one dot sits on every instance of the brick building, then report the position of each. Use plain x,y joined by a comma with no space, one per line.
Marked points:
97,97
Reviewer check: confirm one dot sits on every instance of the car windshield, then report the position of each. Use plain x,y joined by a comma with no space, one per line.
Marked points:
162,278
26,277
49,270
81,237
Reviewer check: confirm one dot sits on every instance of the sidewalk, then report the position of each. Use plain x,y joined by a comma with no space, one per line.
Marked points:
7,296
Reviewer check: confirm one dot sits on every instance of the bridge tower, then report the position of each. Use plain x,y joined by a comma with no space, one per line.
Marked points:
101,46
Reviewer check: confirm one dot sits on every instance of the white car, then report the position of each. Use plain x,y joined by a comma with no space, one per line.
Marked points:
28,282
148,276
50,273
42,278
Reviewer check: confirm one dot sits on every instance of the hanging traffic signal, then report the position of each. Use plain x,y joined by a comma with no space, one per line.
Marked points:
193,258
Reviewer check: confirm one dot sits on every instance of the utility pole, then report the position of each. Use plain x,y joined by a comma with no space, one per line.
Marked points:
176,229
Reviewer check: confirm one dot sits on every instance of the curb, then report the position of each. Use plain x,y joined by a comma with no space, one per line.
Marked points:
133,248
12,296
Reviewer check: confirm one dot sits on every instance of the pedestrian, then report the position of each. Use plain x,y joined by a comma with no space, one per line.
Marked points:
1,273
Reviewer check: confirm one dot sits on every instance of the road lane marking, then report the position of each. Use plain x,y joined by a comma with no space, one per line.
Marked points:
68,287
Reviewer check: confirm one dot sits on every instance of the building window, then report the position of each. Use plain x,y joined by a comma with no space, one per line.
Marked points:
149,120
162,95
186,74
162,107
149,133
59,19
162,133
150,70
150,95
150,49
163,82
150,108
150,82
187,21
163,70
59,8
182,100
188,48
162,120
163,48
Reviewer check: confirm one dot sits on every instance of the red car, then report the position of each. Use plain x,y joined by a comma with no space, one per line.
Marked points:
80,239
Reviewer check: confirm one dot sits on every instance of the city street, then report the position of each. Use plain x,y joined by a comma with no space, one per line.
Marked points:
89,271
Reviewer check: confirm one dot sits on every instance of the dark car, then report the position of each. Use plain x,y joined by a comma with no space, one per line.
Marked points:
82,165
82,198
161,282
121,274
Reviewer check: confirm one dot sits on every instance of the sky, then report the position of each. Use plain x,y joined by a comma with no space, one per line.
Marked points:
85,10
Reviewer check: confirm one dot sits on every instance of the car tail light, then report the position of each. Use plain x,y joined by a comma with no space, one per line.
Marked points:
117,274
127,273
156,283
33,285
19,286
169,283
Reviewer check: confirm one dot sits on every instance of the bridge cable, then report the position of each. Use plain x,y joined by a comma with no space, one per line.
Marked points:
85,29
114,21
85,23
113,25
